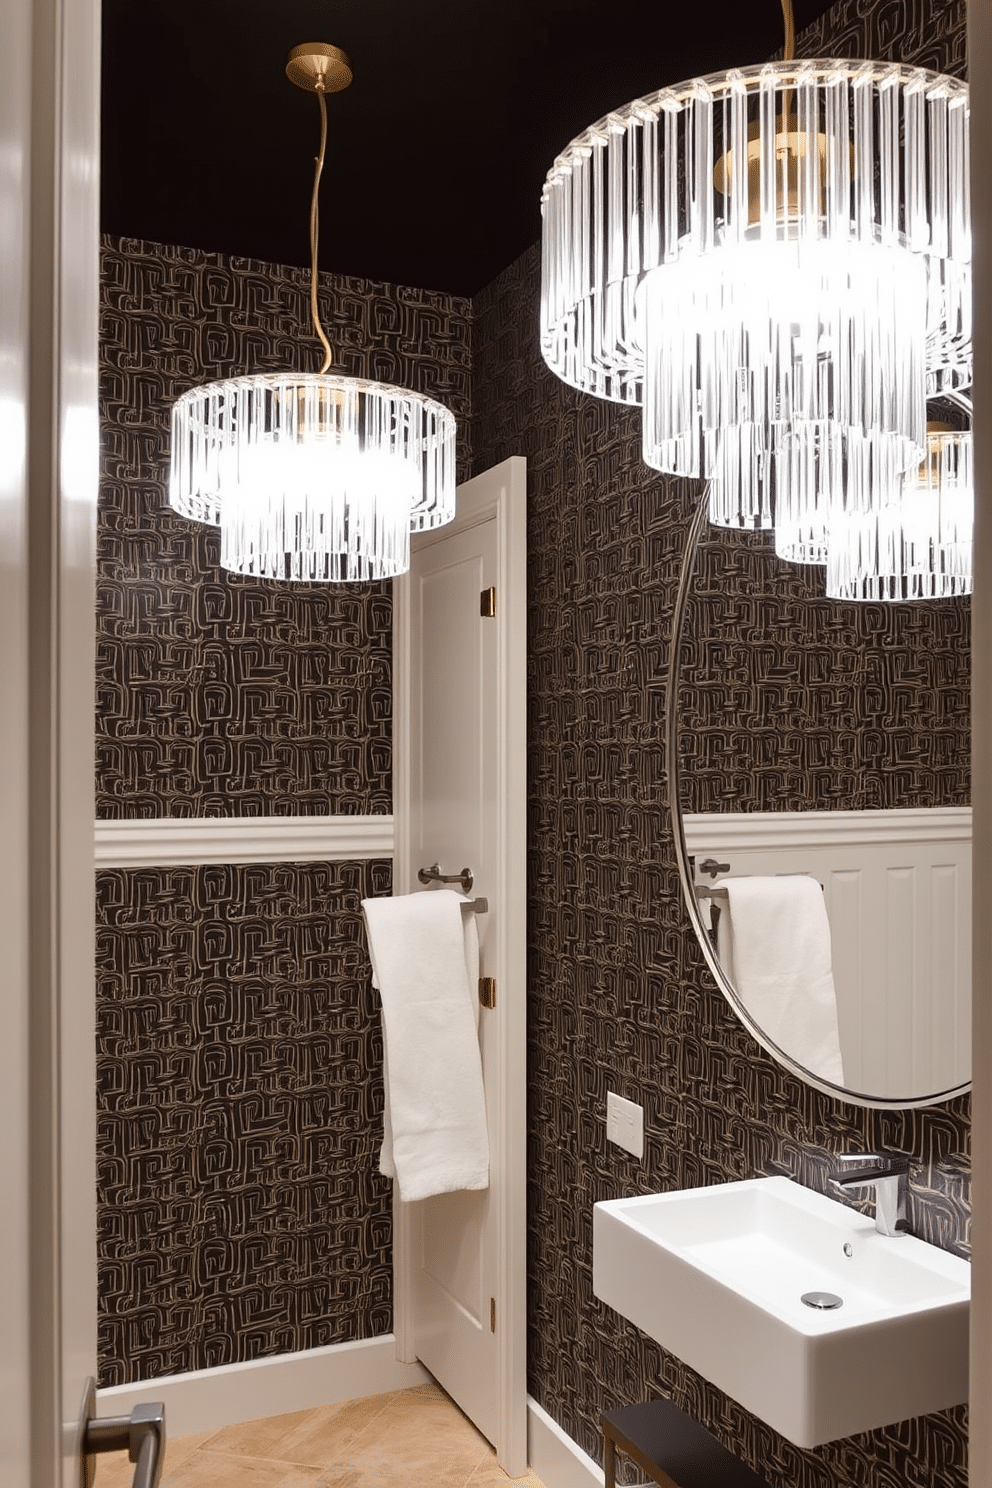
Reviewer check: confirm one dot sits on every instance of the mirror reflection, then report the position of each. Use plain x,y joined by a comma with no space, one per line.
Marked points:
823,770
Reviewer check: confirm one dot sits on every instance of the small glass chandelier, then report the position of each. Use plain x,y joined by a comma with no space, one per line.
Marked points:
775,262
313,476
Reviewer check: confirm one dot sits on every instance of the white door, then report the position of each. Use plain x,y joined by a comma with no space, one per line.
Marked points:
49,200
459,801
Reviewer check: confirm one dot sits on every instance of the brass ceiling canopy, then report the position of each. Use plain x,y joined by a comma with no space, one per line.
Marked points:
318,67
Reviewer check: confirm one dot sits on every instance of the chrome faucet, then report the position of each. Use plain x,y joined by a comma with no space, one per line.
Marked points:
885,1173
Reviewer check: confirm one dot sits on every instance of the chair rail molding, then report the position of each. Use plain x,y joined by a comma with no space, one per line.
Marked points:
765,829
167,842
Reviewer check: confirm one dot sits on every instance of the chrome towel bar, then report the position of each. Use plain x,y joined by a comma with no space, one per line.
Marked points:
703,891
433,874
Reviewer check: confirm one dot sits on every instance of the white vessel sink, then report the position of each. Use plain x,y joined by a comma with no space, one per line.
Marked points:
716,1276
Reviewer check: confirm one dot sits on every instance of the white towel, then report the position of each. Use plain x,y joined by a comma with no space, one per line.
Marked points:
425,960
774,945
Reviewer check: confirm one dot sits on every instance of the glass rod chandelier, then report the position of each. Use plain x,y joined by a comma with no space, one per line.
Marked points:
918,545
774,262
313,476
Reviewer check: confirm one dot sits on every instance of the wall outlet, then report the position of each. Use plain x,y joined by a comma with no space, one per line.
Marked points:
625,1123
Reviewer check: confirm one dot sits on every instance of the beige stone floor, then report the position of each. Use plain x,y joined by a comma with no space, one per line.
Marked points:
401,1440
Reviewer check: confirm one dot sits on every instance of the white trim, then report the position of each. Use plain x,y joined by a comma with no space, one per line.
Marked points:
554,1457
761,829
403,1229
209,1399
511,517
176,841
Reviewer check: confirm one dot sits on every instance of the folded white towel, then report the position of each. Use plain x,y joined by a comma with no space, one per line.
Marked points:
774,945
425,960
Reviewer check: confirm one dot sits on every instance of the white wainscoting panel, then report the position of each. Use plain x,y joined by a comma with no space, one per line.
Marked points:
177,841
897,888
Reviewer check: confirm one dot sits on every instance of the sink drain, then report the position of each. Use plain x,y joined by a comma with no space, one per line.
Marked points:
822,1301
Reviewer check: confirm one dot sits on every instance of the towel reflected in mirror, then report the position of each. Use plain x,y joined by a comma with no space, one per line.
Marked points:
773,941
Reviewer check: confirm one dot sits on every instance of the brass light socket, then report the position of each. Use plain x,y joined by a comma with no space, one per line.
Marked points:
791,148
318,67
929,471
323,403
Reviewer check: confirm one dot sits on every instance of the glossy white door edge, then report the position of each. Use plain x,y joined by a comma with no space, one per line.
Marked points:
500,493
180,842
15,1236
231,1394
79,467
980,62
49,201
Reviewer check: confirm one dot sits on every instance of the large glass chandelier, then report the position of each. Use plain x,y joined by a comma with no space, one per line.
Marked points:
775,262
313,476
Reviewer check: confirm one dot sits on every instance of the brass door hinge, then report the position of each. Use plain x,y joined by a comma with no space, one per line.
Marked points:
492,1314
487,991
487,604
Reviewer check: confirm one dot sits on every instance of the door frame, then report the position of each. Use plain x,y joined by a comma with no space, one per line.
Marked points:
49,463
500,494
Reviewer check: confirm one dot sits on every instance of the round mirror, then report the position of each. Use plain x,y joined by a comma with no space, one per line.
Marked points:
819,759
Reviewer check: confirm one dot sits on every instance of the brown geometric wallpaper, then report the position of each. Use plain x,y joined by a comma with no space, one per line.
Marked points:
239,1056
242,1212
792,701
219,695
619,997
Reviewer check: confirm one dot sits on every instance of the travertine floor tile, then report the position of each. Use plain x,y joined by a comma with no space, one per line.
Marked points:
207,1469
489,1472
115,1471
409,1439
318,1438
422,1432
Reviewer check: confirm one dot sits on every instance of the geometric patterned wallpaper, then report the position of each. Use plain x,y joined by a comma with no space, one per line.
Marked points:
219,695
240,1108
620,998
239,1059
791,701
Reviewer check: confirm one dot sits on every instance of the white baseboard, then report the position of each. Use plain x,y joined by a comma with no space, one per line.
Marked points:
207,1399
554,1457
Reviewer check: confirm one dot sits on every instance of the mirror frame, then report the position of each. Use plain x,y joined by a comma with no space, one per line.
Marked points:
673,768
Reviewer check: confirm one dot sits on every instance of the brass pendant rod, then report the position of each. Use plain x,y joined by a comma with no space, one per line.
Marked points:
789,51
314,228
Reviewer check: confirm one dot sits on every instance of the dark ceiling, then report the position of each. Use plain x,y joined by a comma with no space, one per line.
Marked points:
436,153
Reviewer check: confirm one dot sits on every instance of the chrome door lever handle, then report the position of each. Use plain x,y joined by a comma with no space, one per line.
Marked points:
141,1435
